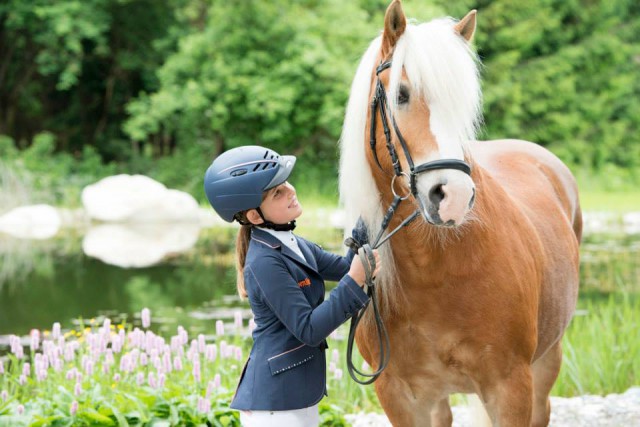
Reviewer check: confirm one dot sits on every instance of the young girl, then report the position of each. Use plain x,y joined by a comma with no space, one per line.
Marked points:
283,277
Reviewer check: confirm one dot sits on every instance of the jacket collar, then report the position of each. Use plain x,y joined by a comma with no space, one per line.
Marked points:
270,241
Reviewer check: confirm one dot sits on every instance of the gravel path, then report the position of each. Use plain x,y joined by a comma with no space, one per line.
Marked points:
614,410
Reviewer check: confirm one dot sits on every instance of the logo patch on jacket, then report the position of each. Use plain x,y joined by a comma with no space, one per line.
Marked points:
304,283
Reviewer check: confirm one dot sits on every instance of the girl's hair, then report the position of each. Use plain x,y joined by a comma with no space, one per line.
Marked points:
242,245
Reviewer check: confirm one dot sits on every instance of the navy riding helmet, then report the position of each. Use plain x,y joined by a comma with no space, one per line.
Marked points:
237,178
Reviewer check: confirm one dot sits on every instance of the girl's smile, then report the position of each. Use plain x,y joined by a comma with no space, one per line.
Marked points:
280,206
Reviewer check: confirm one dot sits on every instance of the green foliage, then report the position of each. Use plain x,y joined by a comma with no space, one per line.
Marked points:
160,88
565,75
274,73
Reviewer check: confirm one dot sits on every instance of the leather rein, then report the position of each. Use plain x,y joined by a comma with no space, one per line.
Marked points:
380,104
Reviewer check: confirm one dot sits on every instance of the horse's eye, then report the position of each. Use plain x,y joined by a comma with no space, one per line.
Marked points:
403,95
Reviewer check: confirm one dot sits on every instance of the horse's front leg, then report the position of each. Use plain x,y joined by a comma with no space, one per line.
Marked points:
509,398
409,407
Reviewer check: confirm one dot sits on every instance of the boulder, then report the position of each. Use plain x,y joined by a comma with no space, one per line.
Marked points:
137,198
31,222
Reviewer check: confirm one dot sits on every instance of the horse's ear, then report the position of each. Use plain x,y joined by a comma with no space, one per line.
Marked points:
467,26
394,25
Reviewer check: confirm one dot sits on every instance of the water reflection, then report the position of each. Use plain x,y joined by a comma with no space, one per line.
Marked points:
186,276
139,245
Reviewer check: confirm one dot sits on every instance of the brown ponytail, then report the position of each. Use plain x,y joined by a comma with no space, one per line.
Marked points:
242,245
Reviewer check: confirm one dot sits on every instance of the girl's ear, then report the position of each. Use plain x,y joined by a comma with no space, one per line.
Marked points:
254,217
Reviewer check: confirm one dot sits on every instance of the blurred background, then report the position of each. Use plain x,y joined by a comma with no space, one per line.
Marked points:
90,89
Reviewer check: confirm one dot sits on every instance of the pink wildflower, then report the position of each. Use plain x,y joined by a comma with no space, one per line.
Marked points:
74,408
196,370
77,390
140,378
252,325
152,380
219,328
201,343
238,353
166,362
335,355
20,409
337,374
217,380
55,331
332,367
1,367
204,405
116,377
177,363
35,339
22,380
26,369
237,319
146,317
4,395
161,380
210,352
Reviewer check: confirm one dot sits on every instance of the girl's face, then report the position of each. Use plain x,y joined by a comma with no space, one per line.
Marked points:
281,205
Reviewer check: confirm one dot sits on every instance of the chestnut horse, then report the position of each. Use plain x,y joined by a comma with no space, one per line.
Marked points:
477,292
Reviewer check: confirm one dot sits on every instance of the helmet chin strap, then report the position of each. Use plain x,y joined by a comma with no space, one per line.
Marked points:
277,227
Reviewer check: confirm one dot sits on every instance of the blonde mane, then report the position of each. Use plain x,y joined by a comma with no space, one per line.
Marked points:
439,64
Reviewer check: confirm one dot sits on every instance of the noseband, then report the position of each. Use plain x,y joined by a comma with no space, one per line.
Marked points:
380,101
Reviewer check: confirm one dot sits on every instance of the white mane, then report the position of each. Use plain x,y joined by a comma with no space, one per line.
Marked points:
440,65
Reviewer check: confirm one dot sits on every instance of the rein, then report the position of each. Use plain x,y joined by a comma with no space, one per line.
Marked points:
380,104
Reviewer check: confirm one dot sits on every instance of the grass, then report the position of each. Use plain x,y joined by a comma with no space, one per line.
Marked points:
621,201
602,347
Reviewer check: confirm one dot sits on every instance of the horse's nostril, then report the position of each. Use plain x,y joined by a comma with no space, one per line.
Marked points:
436,194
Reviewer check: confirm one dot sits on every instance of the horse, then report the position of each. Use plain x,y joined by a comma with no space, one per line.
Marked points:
477,291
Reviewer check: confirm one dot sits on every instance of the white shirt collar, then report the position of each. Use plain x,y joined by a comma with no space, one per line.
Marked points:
287,238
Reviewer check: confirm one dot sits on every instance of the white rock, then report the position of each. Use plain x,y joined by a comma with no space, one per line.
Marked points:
632,223
31,222
137,198
138,245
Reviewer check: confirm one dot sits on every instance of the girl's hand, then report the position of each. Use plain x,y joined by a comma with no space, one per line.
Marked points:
357,271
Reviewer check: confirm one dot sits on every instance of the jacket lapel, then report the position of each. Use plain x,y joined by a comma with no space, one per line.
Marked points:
273,242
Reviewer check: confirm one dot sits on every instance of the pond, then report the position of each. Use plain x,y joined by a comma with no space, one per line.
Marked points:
42,282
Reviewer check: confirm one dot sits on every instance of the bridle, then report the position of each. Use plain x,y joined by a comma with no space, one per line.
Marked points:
380,103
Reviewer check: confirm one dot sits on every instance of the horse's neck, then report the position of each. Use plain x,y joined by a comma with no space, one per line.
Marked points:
423,252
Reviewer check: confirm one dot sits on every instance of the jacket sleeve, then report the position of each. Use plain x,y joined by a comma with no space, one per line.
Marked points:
281,293
330,266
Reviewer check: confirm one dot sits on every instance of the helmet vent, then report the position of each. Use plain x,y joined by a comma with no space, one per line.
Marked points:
266,153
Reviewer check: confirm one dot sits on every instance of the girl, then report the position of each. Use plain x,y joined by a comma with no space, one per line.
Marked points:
283,277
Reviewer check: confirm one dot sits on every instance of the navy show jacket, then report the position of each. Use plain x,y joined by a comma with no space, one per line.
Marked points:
286,368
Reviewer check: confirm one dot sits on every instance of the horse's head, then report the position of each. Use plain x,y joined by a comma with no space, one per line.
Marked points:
418,105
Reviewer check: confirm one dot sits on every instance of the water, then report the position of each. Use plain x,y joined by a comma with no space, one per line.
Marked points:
42,282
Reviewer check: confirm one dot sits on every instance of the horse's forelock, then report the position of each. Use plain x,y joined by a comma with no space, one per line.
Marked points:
441,65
